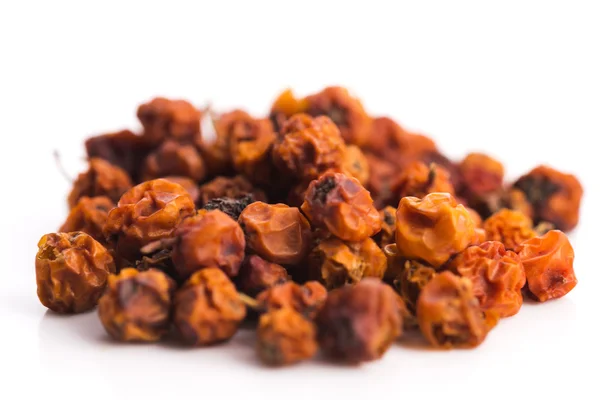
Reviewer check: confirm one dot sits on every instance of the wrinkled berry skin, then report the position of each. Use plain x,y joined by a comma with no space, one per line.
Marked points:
210,239
307,147
509,227
169,119
555,196
123,149
250,146
481,175
497,276
136,306
242,144
359,323
276,232
418,179
548,262
173,158
433,228
207,308
481,182
148,212
343,206
392,143
345,111
71,271
355,164
258,274
234,188
336,263
188,184
307,299
285,337
101,179
448,313
89,215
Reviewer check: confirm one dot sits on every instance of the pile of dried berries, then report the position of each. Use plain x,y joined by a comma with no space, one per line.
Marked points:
320,225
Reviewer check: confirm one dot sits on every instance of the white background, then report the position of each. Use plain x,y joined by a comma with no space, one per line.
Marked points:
517,79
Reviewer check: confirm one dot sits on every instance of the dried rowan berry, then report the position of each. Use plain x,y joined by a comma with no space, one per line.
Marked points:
136,305
336,263
240,127
448,312
479,237
276,232
101,179
345,111
475,217
482,175
417,144
497,276
355,164
124,149
343,206
216,156
393,143
234,188
250,147
147,212
515,199
548,262
307,147
231,207
174,158
285,337
284,107
169,119
555,196
210,239
435,157
432,229
509,227
359,323
188,184
235,121
233,129
385,137
207,308
71,271
257,274
410,282
387,235
381,175
418,180
401,148
89,215
307,299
